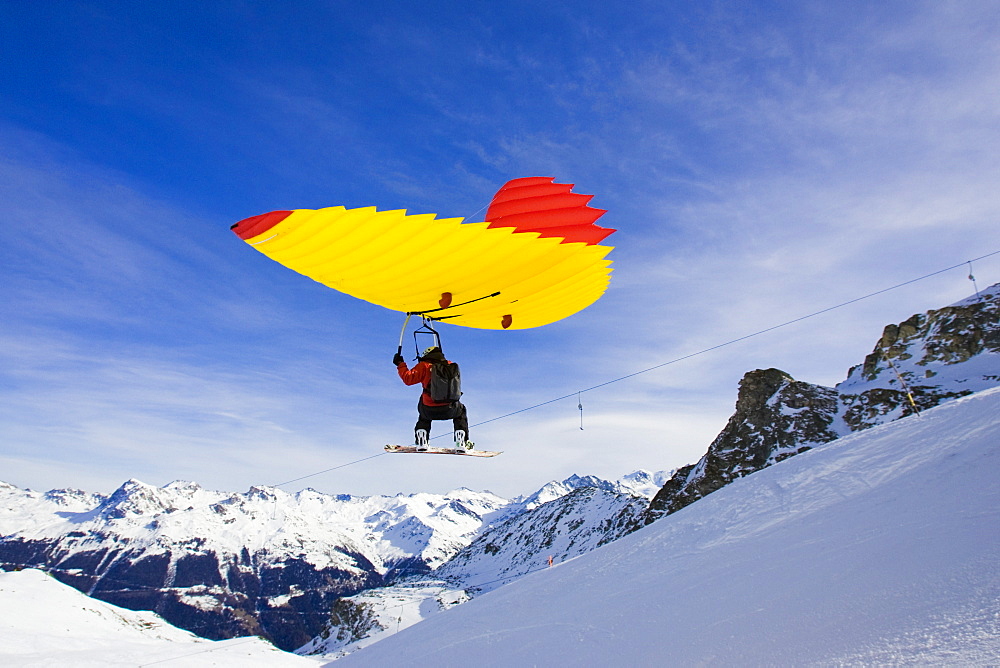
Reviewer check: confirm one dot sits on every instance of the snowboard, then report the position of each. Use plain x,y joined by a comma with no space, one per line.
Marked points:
441,451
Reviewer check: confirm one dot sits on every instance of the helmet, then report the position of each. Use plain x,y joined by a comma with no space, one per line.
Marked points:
432,353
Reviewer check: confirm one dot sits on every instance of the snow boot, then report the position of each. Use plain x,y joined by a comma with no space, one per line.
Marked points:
462,444
421,440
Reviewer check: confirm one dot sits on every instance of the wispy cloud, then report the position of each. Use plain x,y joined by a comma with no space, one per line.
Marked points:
759,166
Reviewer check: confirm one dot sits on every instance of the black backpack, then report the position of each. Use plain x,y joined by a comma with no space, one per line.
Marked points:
445,383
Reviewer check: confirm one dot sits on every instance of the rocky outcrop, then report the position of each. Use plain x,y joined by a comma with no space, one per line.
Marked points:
349,621
776,417
916,364
924,360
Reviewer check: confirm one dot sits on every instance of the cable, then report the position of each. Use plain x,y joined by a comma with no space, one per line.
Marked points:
333,468
683,357
204,651
737,340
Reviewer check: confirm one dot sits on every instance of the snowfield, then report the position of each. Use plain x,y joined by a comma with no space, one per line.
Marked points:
46,623
882,547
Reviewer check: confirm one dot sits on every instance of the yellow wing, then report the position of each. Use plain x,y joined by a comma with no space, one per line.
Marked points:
480,275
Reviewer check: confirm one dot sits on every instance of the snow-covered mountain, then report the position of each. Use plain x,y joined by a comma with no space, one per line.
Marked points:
917,364
878,548
587,515
263,562
638,483
46,623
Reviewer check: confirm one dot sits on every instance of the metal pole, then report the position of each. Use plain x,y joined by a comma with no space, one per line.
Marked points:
399,351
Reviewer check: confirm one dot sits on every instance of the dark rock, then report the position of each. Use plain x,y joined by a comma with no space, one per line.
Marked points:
915,364
776,417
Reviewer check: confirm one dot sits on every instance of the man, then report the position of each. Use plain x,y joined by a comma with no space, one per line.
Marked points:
427,408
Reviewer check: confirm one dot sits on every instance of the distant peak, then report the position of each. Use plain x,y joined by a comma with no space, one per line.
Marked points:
130,486
183,486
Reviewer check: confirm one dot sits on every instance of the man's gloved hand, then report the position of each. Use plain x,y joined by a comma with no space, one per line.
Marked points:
397,359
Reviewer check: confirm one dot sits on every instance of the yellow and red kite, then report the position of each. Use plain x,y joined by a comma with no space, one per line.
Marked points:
536,259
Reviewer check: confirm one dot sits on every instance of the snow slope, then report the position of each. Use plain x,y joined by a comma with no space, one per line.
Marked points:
882,547
46,623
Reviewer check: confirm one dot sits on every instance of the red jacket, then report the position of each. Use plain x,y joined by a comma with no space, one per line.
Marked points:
420,373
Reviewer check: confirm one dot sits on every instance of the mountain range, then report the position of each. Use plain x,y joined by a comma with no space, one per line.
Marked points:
264,562
333,573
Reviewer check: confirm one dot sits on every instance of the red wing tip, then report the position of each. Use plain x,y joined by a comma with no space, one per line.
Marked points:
256,225
538,204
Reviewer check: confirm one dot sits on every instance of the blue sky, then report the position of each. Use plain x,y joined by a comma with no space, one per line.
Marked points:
761,161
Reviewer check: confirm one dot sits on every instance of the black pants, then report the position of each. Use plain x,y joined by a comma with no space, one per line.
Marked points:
455,412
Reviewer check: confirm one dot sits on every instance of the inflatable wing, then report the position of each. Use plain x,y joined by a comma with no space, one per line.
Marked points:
535,260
